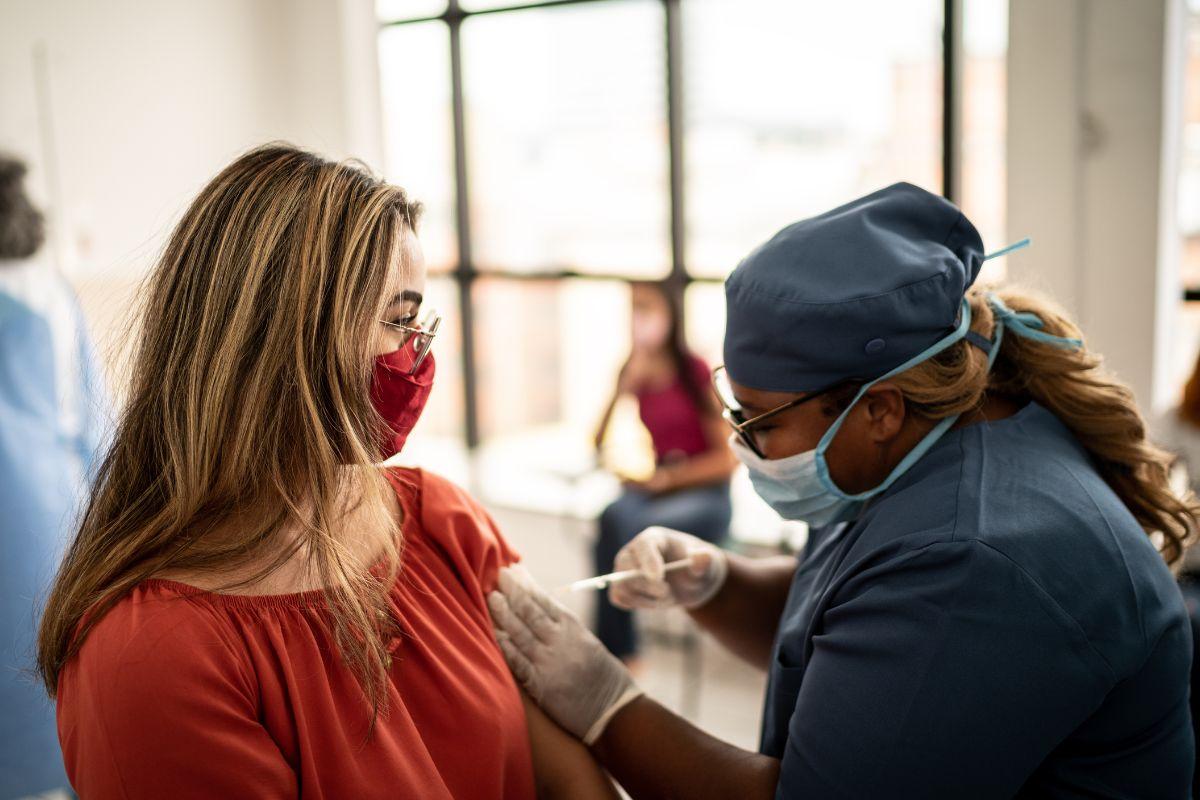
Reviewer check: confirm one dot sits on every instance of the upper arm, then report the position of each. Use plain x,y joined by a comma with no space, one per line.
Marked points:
562,765
949,673
171,715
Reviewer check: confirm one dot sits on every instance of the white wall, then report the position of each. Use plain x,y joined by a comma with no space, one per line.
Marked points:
124,108
1093,129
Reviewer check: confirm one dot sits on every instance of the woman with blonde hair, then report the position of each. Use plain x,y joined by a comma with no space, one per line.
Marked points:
252,606
984,608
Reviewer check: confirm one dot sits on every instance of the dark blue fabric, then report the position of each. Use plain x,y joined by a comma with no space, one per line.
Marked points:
996,624
703,511
851,293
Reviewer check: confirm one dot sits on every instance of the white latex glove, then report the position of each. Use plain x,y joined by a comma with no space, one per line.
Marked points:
690,587
562,666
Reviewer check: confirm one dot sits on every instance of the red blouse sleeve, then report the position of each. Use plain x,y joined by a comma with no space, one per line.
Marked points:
465,530
158,704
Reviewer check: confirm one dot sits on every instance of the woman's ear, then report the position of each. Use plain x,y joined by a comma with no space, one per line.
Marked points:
883,405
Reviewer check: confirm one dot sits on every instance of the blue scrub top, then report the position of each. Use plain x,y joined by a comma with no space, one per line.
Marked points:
996,624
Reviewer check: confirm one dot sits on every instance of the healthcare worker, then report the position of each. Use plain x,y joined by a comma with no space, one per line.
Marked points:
53,424
981,610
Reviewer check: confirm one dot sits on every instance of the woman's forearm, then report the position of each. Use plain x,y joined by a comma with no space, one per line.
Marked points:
655,754
745,614
703,470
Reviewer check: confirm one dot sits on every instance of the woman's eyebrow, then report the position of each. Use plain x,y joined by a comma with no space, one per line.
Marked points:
408,296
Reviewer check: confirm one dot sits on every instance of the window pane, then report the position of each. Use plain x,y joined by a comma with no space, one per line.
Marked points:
482,5
796,106
985,46
567,142
704,318
1189,177
392,10
414,67
1187,325
1183,353
548,353
438,441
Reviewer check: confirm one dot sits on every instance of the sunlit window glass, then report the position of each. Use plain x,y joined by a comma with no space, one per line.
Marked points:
567,143
392,10
414,74
704,315
1188,334
795,106
548,354
983,121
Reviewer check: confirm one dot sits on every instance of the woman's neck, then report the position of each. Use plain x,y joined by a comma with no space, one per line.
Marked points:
360,527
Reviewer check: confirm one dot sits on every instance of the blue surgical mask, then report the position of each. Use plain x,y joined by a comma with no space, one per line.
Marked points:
792,487
799,487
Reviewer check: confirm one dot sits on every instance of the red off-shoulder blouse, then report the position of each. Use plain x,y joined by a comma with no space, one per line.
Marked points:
182,693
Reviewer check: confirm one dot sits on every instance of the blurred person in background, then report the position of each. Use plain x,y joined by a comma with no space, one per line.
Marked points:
52,411
253,605
1178,431
689,488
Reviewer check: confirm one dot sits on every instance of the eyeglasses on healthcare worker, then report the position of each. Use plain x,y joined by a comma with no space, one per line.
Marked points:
981,610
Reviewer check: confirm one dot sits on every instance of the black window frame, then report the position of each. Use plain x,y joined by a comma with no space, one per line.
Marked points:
465,272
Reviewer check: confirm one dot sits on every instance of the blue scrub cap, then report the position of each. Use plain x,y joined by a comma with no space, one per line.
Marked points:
849,294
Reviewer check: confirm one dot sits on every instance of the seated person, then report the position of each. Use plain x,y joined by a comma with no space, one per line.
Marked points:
252,606
689,490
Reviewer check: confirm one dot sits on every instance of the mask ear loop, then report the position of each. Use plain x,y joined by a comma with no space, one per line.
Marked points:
1025,324
913,455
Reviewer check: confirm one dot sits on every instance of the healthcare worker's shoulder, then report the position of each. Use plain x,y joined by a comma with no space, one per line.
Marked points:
1026,491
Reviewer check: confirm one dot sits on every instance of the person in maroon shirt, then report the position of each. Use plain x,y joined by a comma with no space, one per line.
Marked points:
689,489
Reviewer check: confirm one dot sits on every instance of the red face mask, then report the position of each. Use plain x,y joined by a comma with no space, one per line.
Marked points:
399,397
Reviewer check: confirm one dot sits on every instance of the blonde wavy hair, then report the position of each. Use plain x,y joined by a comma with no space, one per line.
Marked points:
1077,389
249,410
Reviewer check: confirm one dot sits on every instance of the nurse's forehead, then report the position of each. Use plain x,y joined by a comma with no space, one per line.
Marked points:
760,399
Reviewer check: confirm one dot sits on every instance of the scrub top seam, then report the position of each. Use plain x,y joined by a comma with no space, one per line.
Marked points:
1045,598
794,301
962,465
1048,598
957,222
1137,599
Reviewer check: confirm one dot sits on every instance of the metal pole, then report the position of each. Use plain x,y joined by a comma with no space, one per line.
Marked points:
951,133
465,273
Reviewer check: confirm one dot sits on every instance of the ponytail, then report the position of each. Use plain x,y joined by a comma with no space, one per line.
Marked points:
1072,384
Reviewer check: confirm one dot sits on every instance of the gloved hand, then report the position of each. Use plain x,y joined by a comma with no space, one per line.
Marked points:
690,587
562,666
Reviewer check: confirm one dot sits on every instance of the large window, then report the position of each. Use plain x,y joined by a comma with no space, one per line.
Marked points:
565,148
1183,354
